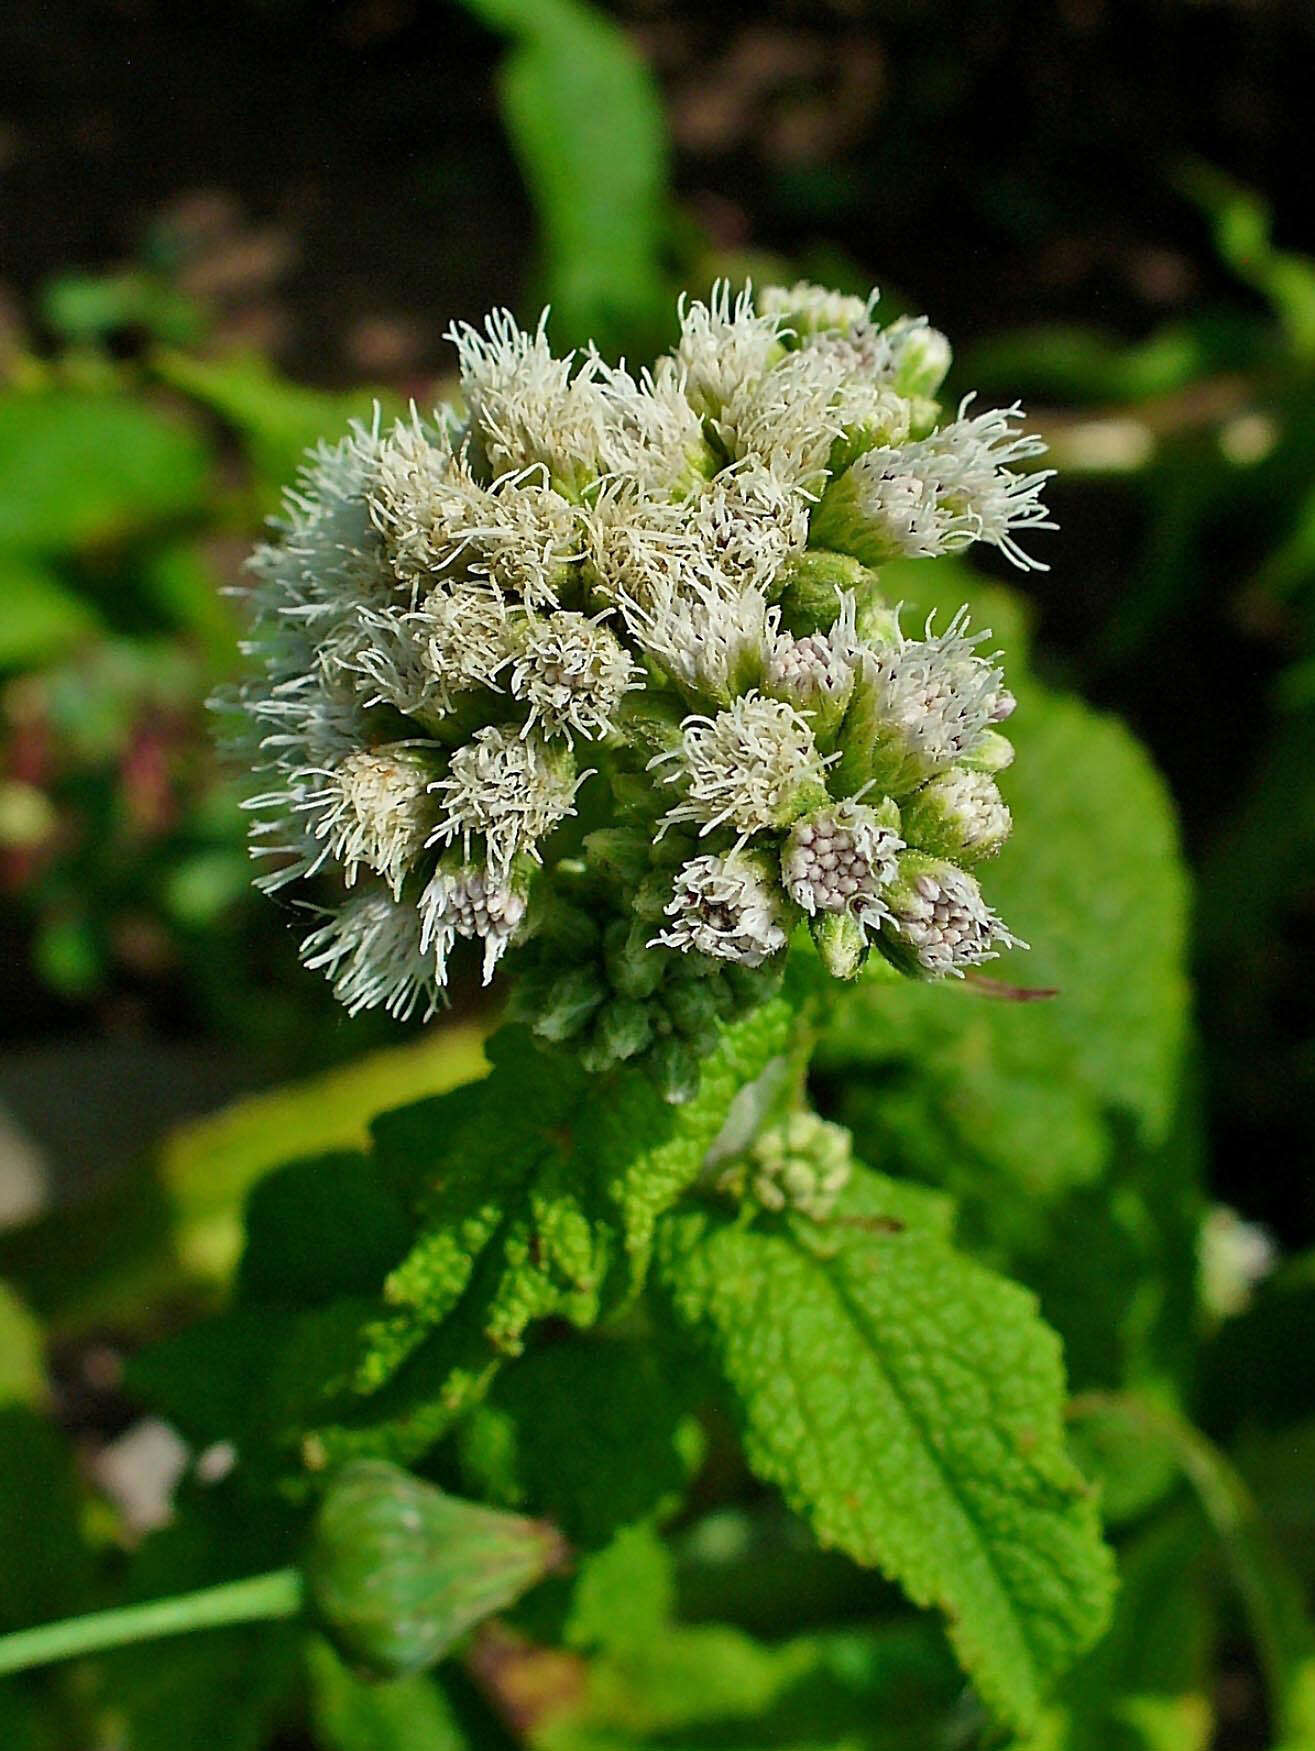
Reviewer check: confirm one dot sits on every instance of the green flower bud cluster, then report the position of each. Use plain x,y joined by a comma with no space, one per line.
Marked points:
802,1164
597,669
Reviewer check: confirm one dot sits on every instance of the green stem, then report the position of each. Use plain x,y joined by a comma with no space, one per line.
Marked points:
278,1594
1270,1593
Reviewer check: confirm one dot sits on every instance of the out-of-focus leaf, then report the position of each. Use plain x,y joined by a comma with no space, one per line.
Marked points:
320,1228
713,1688
277,421
42,618
1243,230
596,1435
187,594
207,1168
79,468
1074,364
350,1714
586,122
1283,1632
1146,1685
46,1567
1093,879
177,1223
22,1360
623,1594
69,954
90,307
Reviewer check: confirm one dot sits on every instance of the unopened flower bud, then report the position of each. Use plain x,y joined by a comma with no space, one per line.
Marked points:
991,752
398,1571
730,908
807,309
939,921
813,585
959,814
841,943
566,1006
841,858
622,1029
802,1164
920,356
1233,1256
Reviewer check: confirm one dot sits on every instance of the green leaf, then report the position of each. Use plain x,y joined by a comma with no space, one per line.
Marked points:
909,1404
1243,232
593,1434
585,119
349,1714
1282,1629
223,1688
624,1594
712,1687
319,1229
1007,1102
278,421
537,1193
22,1353
1146,1685
43,619
207,1168
81,468
46,1568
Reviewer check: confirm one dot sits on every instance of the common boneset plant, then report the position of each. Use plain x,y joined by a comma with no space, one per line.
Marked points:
597,677
599,669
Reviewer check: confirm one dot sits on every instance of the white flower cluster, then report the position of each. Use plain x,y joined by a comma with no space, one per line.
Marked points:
662,583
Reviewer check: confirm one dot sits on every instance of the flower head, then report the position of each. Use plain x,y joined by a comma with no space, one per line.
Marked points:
508,790
725,346
665,575
842,858
918,705
726,907
464,900
752,767
371,952
938,915
375,811
572,673
940,493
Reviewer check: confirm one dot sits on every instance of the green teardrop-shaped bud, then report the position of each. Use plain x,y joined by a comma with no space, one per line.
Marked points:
674,1065
632,966
568,1003
623,1030
840,942
651,722
695,1011
811,584
991,754
959,814
397,1571
922,361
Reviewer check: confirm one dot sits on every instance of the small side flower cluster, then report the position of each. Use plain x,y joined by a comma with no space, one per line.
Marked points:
598,668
